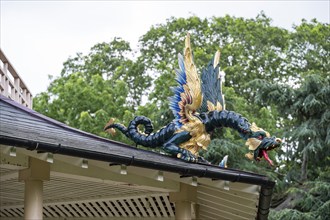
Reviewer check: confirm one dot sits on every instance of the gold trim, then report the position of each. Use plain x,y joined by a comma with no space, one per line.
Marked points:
216,58
255,128
253,143
112,131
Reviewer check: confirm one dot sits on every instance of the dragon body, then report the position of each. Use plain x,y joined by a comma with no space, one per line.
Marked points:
199,108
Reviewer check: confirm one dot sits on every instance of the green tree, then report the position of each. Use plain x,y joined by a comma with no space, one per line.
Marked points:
304,105
305,100
251,48
95,87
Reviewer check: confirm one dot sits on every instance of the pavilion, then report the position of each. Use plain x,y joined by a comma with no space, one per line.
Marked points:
49,170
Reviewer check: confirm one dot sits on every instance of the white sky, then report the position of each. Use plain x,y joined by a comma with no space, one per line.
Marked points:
38,36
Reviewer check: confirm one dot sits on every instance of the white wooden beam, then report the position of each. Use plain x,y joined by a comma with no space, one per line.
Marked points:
99,171
20,161
102,172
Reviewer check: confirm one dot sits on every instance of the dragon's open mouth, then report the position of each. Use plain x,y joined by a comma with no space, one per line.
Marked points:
263,153
267,144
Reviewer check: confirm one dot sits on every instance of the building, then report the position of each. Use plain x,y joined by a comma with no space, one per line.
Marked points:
52,171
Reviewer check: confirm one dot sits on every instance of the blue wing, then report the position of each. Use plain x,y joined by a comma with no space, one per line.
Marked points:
178,90
212,79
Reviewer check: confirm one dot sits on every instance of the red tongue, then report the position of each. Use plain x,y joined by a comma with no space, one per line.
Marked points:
264,153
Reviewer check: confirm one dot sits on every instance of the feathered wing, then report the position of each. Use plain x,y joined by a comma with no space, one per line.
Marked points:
187,96
212,79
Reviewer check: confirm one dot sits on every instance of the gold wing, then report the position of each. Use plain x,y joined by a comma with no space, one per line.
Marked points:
187,95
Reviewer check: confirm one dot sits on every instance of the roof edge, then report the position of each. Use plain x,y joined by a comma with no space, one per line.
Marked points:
208,172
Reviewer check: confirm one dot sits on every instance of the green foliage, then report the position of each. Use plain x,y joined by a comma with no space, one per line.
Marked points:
95,87
251,48
308,201
303,104
289,214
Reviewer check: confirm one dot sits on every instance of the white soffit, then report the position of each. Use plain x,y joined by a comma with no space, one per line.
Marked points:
102,191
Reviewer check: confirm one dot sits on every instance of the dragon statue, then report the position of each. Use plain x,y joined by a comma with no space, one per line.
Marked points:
198,107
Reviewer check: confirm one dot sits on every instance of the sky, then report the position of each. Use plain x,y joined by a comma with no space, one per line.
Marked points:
38,36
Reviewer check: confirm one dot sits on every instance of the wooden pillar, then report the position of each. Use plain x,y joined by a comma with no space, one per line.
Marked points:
183,210
33,177
33,199
183,201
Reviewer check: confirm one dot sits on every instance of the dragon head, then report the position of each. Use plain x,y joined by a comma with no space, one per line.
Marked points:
260,143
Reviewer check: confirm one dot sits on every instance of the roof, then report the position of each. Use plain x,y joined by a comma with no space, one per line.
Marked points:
25,128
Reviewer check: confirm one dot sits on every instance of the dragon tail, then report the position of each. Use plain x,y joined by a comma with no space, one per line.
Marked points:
110,127
146,138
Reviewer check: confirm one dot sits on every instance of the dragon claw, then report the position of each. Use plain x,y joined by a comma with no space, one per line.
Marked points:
190,157
187,156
